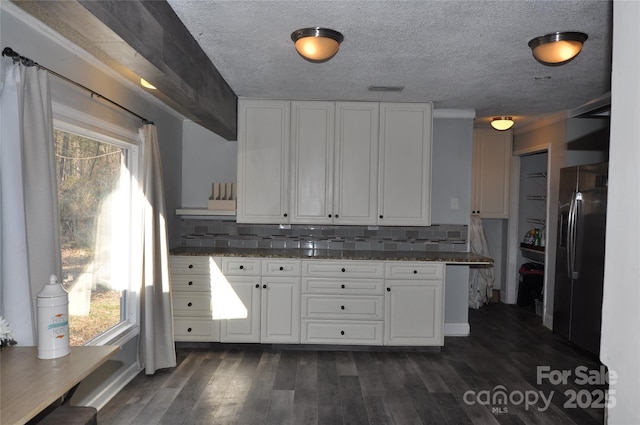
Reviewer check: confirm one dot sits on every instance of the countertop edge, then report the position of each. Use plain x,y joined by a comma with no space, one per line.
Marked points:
448,257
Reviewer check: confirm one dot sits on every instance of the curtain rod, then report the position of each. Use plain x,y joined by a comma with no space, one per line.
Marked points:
9,52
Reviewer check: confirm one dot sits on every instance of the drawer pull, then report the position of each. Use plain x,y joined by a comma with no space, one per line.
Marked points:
281,268
188,329
341,332
241,267
189,304
344,270
343,286
190,266
415,272
257,285
388,289
381,216
329,215
341,307
337,216
190,283
264,286
285,214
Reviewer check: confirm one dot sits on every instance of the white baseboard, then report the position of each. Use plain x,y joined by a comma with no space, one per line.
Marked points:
100,398
457,329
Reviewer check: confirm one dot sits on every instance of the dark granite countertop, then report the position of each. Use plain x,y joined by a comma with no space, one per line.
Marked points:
440,256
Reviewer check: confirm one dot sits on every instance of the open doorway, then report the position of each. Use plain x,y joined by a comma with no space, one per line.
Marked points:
532,230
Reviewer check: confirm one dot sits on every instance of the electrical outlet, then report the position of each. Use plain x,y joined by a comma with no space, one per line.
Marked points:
455,203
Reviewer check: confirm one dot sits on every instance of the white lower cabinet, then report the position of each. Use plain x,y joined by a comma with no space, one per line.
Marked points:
350,302
241,310
414,304
280,310
342,302
196,311
262,303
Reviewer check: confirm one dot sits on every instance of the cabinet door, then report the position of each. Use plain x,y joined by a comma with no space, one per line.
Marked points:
414,313
263,161
404,189
312,162
491,172
355,189
280,312
240,309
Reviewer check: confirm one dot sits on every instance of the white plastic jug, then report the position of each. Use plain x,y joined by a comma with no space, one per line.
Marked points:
53,320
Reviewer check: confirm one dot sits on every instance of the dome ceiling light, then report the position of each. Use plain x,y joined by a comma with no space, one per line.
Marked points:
502,123
317,44
557,48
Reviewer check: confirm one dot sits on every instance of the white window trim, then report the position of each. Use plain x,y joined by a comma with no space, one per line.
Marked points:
76,122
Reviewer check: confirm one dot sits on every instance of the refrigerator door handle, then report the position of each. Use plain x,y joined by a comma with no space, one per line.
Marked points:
570,237
574,213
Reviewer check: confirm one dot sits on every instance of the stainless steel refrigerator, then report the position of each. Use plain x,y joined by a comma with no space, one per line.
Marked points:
577,306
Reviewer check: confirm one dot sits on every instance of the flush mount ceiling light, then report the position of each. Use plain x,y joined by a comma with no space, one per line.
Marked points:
317,44
557,48
502,123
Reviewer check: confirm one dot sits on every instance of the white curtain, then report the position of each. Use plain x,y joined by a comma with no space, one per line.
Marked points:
480,277
157,348
30,248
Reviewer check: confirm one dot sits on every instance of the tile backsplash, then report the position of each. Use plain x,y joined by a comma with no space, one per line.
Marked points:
228,233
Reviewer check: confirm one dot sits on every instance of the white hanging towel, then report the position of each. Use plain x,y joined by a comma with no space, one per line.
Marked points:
480,277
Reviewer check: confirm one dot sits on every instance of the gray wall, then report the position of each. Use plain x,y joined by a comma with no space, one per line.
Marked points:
570,141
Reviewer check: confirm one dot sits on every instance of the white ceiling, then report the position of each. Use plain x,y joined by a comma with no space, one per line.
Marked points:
458,54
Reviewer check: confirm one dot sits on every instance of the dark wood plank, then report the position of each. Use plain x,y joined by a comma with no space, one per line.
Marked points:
268,385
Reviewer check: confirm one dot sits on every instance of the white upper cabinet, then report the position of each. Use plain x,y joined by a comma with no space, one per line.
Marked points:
263,161
355,190
312,129
404,188
334,168
491,172
320,162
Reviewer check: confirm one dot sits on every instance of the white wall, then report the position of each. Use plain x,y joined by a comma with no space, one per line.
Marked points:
620,346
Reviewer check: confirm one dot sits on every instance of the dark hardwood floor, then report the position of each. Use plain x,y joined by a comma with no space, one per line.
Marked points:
490,377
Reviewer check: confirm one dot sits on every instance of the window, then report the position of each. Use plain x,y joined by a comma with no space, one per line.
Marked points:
96,177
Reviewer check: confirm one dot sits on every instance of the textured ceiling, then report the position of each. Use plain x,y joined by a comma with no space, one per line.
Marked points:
458,54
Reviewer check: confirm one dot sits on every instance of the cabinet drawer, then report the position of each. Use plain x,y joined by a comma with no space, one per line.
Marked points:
192,264
351,269
241,266
196,329
190,283
197,304
418,270
342,307
280,268
343,286
341,332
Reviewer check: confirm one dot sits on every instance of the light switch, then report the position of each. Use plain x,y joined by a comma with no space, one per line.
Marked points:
455,203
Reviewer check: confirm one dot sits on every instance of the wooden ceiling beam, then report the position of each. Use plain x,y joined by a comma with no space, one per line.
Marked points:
147,39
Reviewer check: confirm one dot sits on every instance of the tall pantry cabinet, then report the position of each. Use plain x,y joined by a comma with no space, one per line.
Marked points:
491,170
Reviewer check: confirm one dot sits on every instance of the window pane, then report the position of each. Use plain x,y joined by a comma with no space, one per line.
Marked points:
94,200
